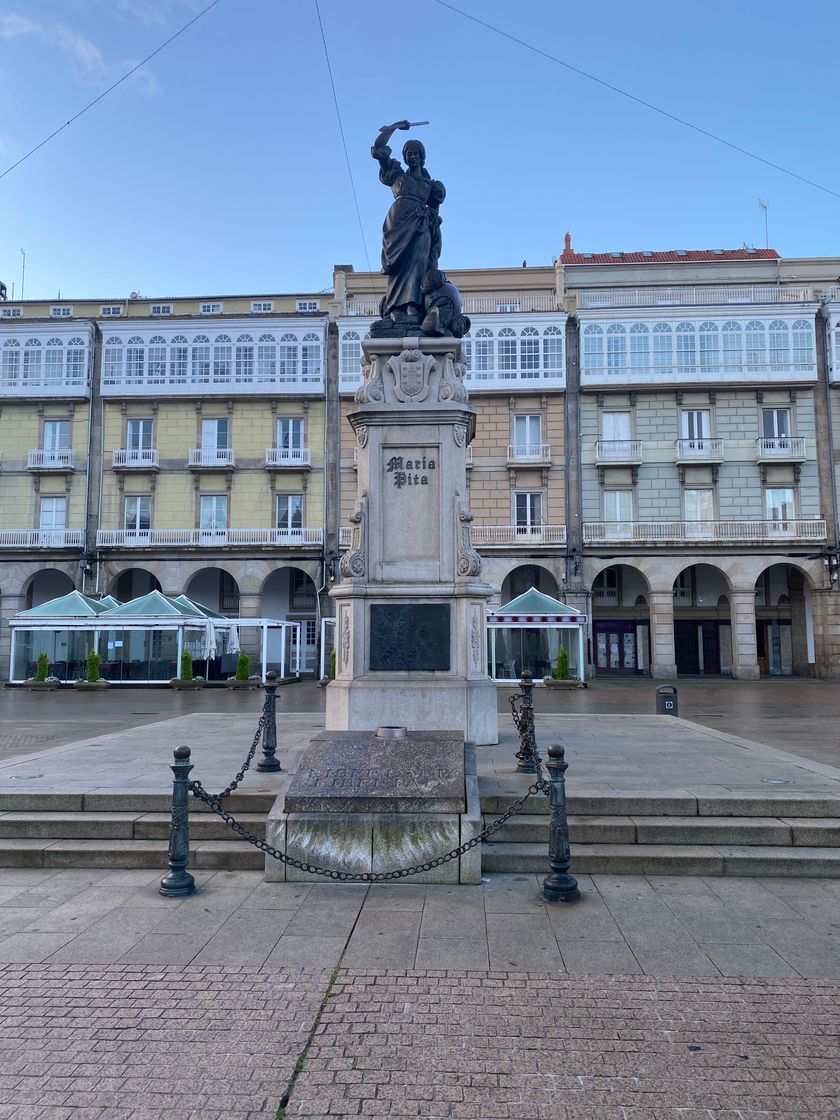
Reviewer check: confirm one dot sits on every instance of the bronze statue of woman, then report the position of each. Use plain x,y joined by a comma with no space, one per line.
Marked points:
411,239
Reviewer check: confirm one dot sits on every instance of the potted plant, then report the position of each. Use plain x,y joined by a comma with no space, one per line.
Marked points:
186,680
42,679
243,678
560,675
92,677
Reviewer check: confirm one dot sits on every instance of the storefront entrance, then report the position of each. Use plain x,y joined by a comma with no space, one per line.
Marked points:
622,647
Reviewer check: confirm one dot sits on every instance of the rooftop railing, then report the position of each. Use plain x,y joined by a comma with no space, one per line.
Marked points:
475,304
694,297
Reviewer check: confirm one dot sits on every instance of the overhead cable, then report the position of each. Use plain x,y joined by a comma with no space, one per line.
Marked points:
639,100
110,88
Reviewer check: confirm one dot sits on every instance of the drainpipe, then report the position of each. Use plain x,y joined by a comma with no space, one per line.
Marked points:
825,325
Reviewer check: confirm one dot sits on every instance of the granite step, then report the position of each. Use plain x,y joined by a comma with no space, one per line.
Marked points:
119,826
668,859
204,854
748,831
122,801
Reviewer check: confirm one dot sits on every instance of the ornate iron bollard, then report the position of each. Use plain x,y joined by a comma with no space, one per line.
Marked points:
522,708
178,880
270,763
559,886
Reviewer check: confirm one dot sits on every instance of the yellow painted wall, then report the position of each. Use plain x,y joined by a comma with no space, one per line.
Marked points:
21,430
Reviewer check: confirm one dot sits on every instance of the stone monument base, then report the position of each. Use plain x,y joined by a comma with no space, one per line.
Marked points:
407,700
363,803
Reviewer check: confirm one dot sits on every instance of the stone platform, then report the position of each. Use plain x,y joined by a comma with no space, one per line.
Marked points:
363,803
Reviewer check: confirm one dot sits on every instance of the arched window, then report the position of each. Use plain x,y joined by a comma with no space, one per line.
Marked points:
135,355
222,359
663,343
616,346
552,350
507,352
32,360
779,339
755,348
466,354
483,350
310,353
803,344
54,360
75,366
245,358
639,346
529,352
11,359
287,358
351,354
112,360
709,347
179,359
733,354
686,346
593,347
266,357
200,359
156,361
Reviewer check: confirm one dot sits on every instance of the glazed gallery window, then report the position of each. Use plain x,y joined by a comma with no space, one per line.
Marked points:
56,435
53,514
289,511
138,513
213,512
527,506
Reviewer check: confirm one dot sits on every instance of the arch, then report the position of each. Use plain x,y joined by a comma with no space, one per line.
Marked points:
289,592
216,588
621,643
784,630
46,584
703,638
132,583
521,578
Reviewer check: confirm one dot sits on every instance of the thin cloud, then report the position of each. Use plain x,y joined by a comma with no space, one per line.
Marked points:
86,59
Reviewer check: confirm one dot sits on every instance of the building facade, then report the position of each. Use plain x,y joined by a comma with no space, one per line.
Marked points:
656,445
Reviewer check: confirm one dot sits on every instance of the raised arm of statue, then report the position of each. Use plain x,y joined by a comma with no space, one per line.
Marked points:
389,169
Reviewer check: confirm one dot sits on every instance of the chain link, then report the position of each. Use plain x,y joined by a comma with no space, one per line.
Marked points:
245,765
215,806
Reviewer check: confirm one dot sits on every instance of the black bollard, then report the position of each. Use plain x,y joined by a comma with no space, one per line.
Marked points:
178,881
525,763
559,886
270,763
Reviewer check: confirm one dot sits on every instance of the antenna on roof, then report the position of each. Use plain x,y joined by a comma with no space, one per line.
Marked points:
764,204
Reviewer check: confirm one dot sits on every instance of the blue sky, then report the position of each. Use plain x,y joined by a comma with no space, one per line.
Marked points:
219,167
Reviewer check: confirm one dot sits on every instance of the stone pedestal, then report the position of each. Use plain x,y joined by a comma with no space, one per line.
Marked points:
411,633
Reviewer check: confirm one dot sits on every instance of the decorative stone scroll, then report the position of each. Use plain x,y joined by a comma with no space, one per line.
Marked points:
412,377
353,562
469,562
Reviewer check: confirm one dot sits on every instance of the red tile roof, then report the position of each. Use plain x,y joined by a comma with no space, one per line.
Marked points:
669,256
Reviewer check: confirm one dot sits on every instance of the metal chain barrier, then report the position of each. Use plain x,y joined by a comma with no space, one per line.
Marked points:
215,806
245,765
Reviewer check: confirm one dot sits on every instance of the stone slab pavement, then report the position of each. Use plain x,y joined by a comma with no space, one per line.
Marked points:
652,998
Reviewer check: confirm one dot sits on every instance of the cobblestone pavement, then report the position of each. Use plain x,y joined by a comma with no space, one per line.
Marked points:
140,1042
535,1045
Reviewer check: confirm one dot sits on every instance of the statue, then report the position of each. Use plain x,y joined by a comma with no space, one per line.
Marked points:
418,299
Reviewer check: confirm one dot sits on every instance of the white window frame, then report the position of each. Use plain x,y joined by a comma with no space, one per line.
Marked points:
262,306
160,308
134,506
308,306
110,311
210,506
211,429
139,433
290,433
211,308
292,512
12,313
527,429
61,311
533,509
56,504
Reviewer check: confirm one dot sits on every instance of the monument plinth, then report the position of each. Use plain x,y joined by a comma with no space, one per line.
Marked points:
411,633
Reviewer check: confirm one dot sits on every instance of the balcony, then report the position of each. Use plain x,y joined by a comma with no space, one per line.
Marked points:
618,452
494,536
59,459
605,596
208,538
345,536
211,458
469,456
694,532
694,297
135,459
40,538
780,449
702,450
288,458
529,454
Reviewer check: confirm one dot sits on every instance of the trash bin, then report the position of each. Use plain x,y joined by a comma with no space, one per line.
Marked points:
666,701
